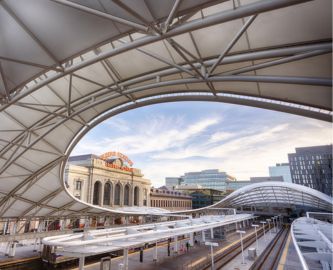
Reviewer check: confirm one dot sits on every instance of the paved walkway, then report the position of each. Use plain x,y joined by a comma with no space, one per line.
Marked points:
23,250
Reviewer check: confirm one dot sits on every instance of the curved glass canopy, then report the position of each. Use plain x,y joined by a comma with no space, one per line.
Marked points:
65,66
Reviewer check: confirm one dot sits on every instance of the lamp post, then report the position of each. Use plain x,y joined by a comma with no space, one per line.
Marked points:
212,244
241,239
275,220
269,225
255,230
263,227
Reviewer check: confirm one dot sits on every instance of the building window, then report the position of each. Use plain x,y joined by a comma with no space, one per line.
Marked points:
78,185
126,195
117,194
136,196
96,195
107,194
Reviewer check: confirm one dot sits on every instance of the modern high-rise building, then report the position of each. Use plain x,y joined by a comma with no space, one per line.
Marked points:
312,167
171,182
213,179
281,169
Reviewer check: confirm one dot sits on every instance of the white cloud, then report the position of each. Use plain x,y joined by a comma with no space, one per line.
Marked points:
245,156
221,136
166,145
157,134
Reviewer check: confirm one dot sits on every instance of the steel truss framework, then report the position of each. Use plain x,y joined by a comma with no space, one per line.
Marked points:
65,76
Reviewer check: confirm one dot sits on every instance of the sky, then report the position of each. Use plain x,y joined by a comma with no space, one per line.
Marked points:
167,140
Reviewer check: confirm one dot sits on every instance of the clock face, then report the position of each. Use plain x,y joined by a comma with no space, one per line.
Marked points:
118,162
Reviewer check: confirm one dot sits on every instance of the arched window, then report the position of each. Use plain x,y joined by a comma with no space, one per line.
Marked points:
107,194
117,190
126,195
136,196
96,195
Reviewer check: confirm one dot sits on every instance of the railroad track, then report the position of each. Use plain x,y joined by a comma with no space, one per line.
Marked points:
269,259
227,255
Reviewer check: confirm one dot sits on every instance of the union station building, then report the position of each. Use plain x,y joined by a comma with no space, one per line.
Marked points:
108,180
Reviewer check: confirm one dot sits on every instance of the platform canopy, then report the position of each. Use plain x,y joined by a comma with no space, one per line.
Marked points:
277,194
65,66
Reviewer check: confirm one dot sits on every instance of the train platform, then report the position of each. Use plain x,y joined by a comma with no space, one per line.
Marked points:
289,259
183,260
237,262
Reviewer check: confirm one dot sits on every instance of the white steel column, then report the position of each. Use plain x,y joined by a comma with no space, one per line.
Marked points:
40,245
176,244
155,253
192,239
81,263
203,236
125,259
212,233
35,245
7,249
12,249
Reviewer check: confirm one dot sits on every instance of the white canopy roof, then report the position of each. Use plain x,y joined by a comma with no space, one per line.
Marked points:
66,66
313,240
277,194
101,241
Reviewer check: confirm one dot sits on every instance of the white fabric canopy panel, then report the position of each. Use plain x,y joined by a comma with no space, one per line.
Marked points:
313,241
66,66
101,241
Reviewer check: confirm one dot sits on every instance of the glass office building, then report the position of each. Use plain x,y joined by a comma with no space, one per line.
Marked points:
312,167
213,179
281,169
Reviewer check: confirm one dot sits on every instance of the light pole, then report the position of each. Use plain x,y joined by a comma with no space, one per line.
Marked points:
273,221
269,226
263,227
281,221
241,239
212,244
255,230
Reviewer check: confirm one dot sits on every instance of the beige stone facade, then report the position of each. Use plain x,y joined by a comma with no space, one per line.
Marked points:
109,184
170,199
